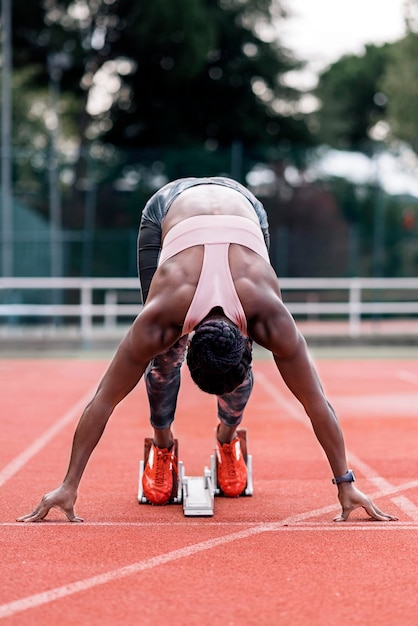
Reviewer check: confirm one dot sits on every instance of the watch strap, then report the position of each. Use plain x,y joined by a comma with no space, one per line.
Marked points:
348,477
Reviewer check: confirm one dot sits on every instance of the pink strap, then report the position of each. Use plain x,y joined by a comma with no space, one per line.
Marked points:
215,288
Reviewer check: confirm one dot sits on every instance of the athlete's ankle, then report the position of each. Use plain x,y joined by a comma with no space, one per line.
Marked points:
226,434
163,438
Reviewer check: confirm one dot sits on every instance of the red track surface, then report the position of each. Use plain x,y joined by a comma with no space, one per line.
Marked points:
276,558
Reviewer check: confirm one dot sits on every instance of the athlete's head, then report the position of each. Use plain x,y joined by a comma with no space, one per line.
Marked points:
218,357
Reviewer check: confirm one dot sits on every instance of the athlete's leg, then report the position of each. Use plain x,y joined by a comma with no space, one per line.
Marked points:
231,408
231,465
162,379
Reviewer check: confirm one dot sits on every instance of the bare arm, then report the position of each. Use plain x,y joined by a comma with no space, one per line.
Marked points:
121,377
280,335
144,340
299,373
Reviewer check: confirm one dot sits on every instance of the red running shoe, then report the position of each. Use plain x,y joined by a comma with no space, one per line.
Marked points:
157,479
231,470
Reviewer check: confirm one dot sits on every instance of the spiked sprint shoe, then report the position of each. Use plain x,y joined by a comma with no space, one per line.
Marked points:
231,468
160,474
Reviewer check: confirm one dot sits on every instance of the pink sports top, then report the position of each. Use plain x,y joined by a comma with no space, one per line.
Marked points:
215,286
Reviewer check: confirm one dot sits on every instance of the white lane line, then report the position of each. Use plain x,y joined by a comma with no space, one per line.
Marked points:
394,404
297,412
372,476
407,376
332,508
20,461
407,507
292,407
11,608
294,519
289,524
336,526
188,524
38,599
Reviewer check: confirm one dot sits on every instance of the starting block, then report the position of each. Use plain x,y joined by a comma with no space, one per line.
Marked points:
197,493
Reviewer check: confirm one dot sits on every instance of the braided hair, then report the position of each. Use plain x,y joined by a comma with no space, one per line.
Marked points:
218,357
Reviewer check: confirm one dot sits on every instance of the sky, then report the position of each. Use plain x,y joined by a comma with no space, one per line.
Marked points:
321,31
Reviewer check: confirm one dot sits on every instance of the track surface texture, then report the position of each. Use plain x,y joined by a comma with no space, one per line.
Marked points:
276,558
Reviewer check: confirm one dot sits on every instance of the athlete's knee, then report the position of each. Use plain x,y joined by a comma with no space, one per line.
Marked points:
231,406
169,362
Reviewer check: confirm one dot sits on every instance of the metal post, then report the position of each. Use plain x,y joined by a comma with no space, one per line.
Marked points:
89,218
378,233
55,213
354,308
237,158
57,63
6,133
378,258
86,312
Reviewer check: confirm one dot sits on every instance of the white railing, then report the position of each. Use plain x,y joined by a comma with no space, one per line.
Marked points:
99,304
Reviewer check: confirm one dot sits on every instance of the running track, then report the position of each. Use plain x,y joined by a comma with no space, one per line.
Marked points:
276,558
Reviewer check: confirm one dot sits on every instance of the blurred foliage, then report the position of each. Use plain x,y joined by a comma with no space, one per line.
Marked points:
400,85
149,77
175,73
356,92
139,93
320,226
362,206
351,102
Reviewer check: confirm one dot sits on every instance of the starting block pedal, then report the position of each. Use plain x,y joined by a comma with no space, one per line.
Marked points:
197,493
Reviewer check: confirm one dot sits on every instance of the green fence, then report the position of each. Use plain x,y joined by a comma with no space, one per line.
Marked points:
83,220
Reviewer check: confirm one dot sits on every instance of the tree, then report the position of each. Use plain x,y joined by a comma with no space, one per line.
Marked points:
157,76
228,92
351,98
400,85
165,72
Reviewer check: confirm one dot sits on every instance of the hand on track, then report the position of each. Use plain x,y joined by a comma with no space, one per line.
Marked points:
351,498
62,498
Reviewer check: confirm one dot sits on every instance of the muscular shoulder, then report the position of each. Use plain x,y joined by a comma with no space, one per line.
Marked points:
154,330
255,280
274,328
270,323
172,288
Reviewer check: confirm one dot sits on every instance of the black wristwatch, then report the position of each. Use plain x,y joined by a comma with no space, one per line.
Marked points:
348,477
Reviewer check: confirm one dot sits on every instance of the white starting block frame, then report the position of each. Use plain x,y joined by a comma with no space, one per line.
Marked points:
197,493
